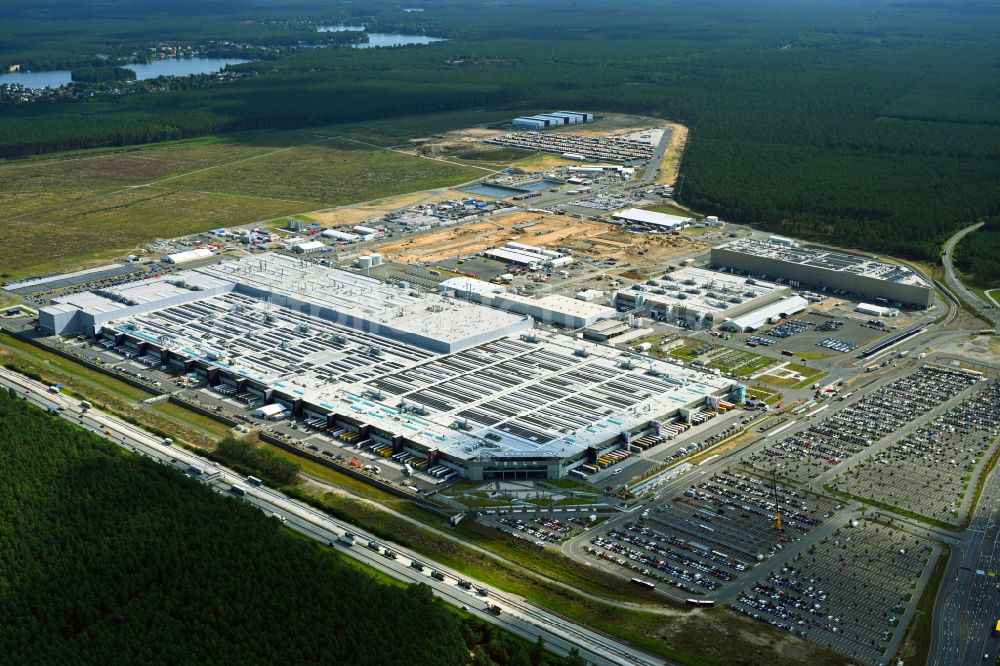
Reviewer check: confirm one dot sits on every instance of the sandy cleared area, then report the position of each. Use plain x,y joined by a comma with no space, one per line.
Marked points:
670,167
585,238
357,213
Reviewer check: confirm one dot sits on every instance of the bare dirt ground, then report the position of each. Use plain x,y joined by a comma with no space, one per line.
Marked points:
585,238
356,214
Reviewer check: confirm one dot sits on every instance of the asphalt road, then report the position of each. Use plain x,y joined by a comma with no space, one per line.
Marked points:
517,615
654,163
988,311
968,603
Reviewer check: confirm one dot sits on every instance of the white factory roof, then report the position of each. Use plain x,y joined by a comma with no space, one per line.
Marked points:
512,255
378,304
189,255
876,310
268,411
651,217
821,258
150,290
339,235
536,394
708,291
470,285
306,246
559,304
757,318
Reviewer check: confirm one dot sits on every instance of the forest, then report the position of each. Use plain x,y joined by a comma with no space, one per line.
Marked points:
873,125
111,558
978,254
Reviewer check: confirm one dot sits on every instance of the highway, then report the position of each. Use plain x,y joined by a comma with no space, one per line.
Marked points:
985,310
517,615
968,603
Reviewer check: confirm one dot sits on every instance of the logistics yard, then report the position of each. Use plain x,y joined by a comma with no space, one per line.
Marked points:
852,591
930,471
698,410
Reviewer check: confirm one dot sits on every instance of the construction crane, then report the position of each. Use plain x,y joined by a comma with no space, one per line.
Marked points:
777,505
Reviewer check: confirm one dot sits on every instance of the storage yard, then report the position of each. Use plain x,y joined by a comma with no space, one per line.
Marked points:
852,592
712,533
863,422
930,471
573,146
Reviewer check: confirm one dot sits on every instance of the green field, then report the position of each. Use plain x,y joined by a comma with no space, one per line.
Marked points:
740,363
768,395
66,211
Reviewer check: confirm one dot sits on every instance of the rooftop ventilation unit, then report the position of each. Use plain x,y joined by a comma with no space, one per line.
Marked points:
581,352
529,337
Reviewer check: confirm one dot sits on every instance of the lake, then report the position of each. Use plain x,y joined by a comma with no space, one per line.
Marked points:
379,39
50,79
180,67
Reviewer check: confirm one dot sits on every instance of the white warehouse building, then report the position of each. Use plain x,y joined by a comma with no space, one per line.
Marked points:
659,221
550,120
768,314
189,255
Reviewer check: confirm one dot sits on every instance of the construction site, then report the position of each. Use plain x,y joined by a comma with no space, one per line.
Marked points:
583,238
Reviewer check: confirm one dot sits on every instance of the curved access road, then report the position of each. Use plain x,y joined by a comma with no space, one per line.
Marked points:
987,311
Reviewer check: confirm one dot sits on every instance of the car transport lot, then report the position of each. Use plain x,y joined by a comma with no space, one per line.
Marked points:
706,536
930,472
863,422
854,591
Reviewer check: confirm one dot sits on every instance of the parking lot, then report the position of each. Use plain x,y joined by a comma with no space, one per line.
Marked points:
930,471
853,592
540,530
862,423
805,333
705,537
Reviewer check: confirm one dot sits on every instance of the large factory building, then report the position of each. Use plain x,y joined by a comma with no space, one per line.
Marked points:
698,298
459,385
825,270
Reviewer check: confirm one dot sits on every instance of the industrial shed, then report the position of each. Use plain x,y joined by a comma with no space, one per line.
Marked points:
309,247
652,219
190,255
697,298
751,321
472,289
